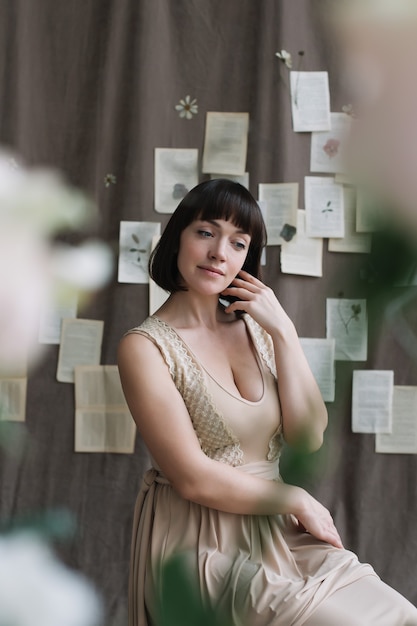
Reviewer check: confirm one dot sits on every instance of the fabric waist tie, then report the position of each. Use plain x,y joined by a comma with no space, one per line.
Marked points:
152,476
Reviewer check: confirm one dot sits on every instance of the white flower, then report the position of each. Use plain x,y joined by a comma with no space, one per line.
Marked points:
37,590
34,205
187,107
285,57
24,288
41,200
87,267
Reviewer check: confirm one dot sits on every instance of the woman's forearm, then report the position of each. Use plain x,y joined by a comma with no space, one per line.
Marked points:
304,413
226,488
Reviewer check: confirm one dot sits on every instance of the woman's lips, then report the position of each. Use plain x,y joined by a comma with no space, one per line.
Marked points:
211,270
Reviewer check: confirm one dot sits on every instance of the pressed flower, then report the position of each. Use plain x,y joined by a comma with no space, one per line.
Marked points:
331,147
285,57
187,107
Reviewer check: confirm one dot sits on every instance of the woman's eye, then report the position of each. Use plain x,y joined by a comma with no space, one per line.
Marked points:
204,233
240,245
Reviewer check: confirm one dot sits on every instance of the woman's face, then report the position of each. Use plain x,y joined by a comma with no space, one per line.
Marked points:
211,254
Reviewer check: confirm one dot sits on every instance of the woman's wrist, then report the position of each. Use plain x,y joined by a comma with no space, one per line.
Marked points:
283,332
295,500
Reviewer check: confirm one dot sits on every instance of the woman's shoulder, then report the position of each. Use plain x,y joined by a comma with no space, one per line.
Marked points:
155,335
149,333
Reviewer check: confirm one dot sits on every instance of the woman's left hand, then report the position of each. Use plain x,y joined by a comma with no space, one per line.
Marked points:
258,300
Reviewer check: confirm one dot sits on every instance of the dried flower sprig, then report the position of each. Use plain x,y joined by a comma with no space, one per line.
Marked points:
285,57
355,315
349,110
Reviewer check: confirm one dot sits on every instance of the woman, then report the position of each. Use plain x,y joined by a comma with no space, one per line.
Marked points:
215,381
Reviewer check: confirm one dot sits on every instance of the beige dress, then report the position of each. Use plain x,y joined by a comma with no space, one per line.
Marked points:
259,570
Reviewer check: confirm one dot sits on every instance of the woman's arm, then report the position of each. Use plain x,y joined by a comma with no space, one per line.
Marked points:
165,425
304,413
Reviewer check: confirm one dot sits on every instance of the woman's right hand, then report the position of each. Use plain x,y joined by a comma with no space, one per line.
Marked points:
315,519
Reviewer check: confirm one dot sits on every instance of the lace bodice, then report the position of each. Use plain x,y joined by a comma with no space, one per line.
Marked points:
214,434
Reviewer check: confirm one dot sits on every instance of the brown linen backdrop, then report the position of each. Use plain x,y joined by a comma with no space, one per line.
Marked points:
90,86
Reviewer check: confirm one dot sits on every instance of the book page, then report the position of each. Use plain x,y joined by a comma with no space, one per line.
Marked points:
13,399
320,356
135,244
103,422
346,322
310,101
324,204
243,179
100,430
327,153
403,438
51,320
176,173
281,208
302,255
225,143
80,345
352,241
372,393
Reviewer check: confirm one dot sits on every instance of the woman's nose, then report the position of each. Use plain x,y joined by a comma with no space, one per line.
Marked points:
218,250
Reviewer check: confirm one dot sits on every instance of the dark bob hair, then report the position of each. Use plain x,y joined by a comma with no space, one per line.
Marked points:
210,200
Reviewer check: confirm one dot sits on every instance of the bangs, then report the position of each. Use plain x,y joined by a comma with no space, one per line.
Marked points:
239,208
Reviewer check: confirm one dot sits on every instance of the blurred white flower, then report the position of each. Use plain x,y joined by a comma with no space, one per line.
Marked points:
41,200
87,267
285,58
187,107
34,205
37,590
24,288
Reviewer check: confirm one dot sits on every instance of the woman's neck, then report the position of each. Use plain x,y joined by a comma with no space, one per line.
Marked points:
186,310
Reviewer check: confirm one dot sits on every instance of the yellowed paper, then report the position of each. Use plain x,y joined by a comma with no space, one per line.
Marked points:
103,422
403,438
13,399
324,205
302,255
310,101
135,241
372,393
80,345
346,322
327,153
51,320
352,241
225,143
281,201
176,173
